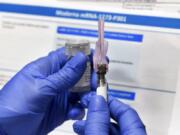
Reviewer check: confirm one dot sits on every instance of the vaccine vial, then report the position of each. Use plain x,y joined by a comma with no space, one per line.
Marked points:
72,47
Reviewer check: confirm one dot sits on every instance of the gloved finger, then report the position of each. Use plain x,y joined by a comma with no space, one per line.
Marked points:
127,118
48,65
85,98
70,74
98,118
79,127
76,112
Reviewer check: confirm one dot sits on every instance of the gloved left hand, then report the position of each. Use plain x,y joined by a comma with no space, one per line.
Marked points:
37,100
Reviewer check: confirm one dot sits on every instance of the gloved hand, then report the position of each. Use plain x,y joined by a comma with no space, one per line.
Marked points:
98,119
36,100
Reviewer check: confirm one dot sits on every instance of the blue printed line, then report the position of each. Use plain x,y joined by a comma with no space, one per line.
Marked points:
122,94
165,22
94,33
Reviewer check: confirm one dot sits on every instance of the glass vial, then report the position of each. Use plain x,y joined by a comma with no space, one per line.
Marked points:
72,48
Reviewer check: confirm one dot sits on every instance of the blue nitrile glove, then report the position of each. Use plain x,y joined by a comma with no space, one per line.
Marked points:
36,99
127,118
98,119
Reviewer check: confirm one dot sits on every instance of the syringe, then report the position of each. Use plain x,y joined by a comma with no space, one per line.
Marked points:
100,61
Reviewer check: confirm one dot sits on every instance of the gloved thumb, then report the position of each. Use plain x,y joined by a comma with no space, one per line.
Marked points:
79,127
70,74
98,117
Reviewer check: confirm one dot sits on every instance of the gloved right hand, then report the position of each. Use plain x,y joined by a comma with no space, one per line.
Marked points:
98,119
